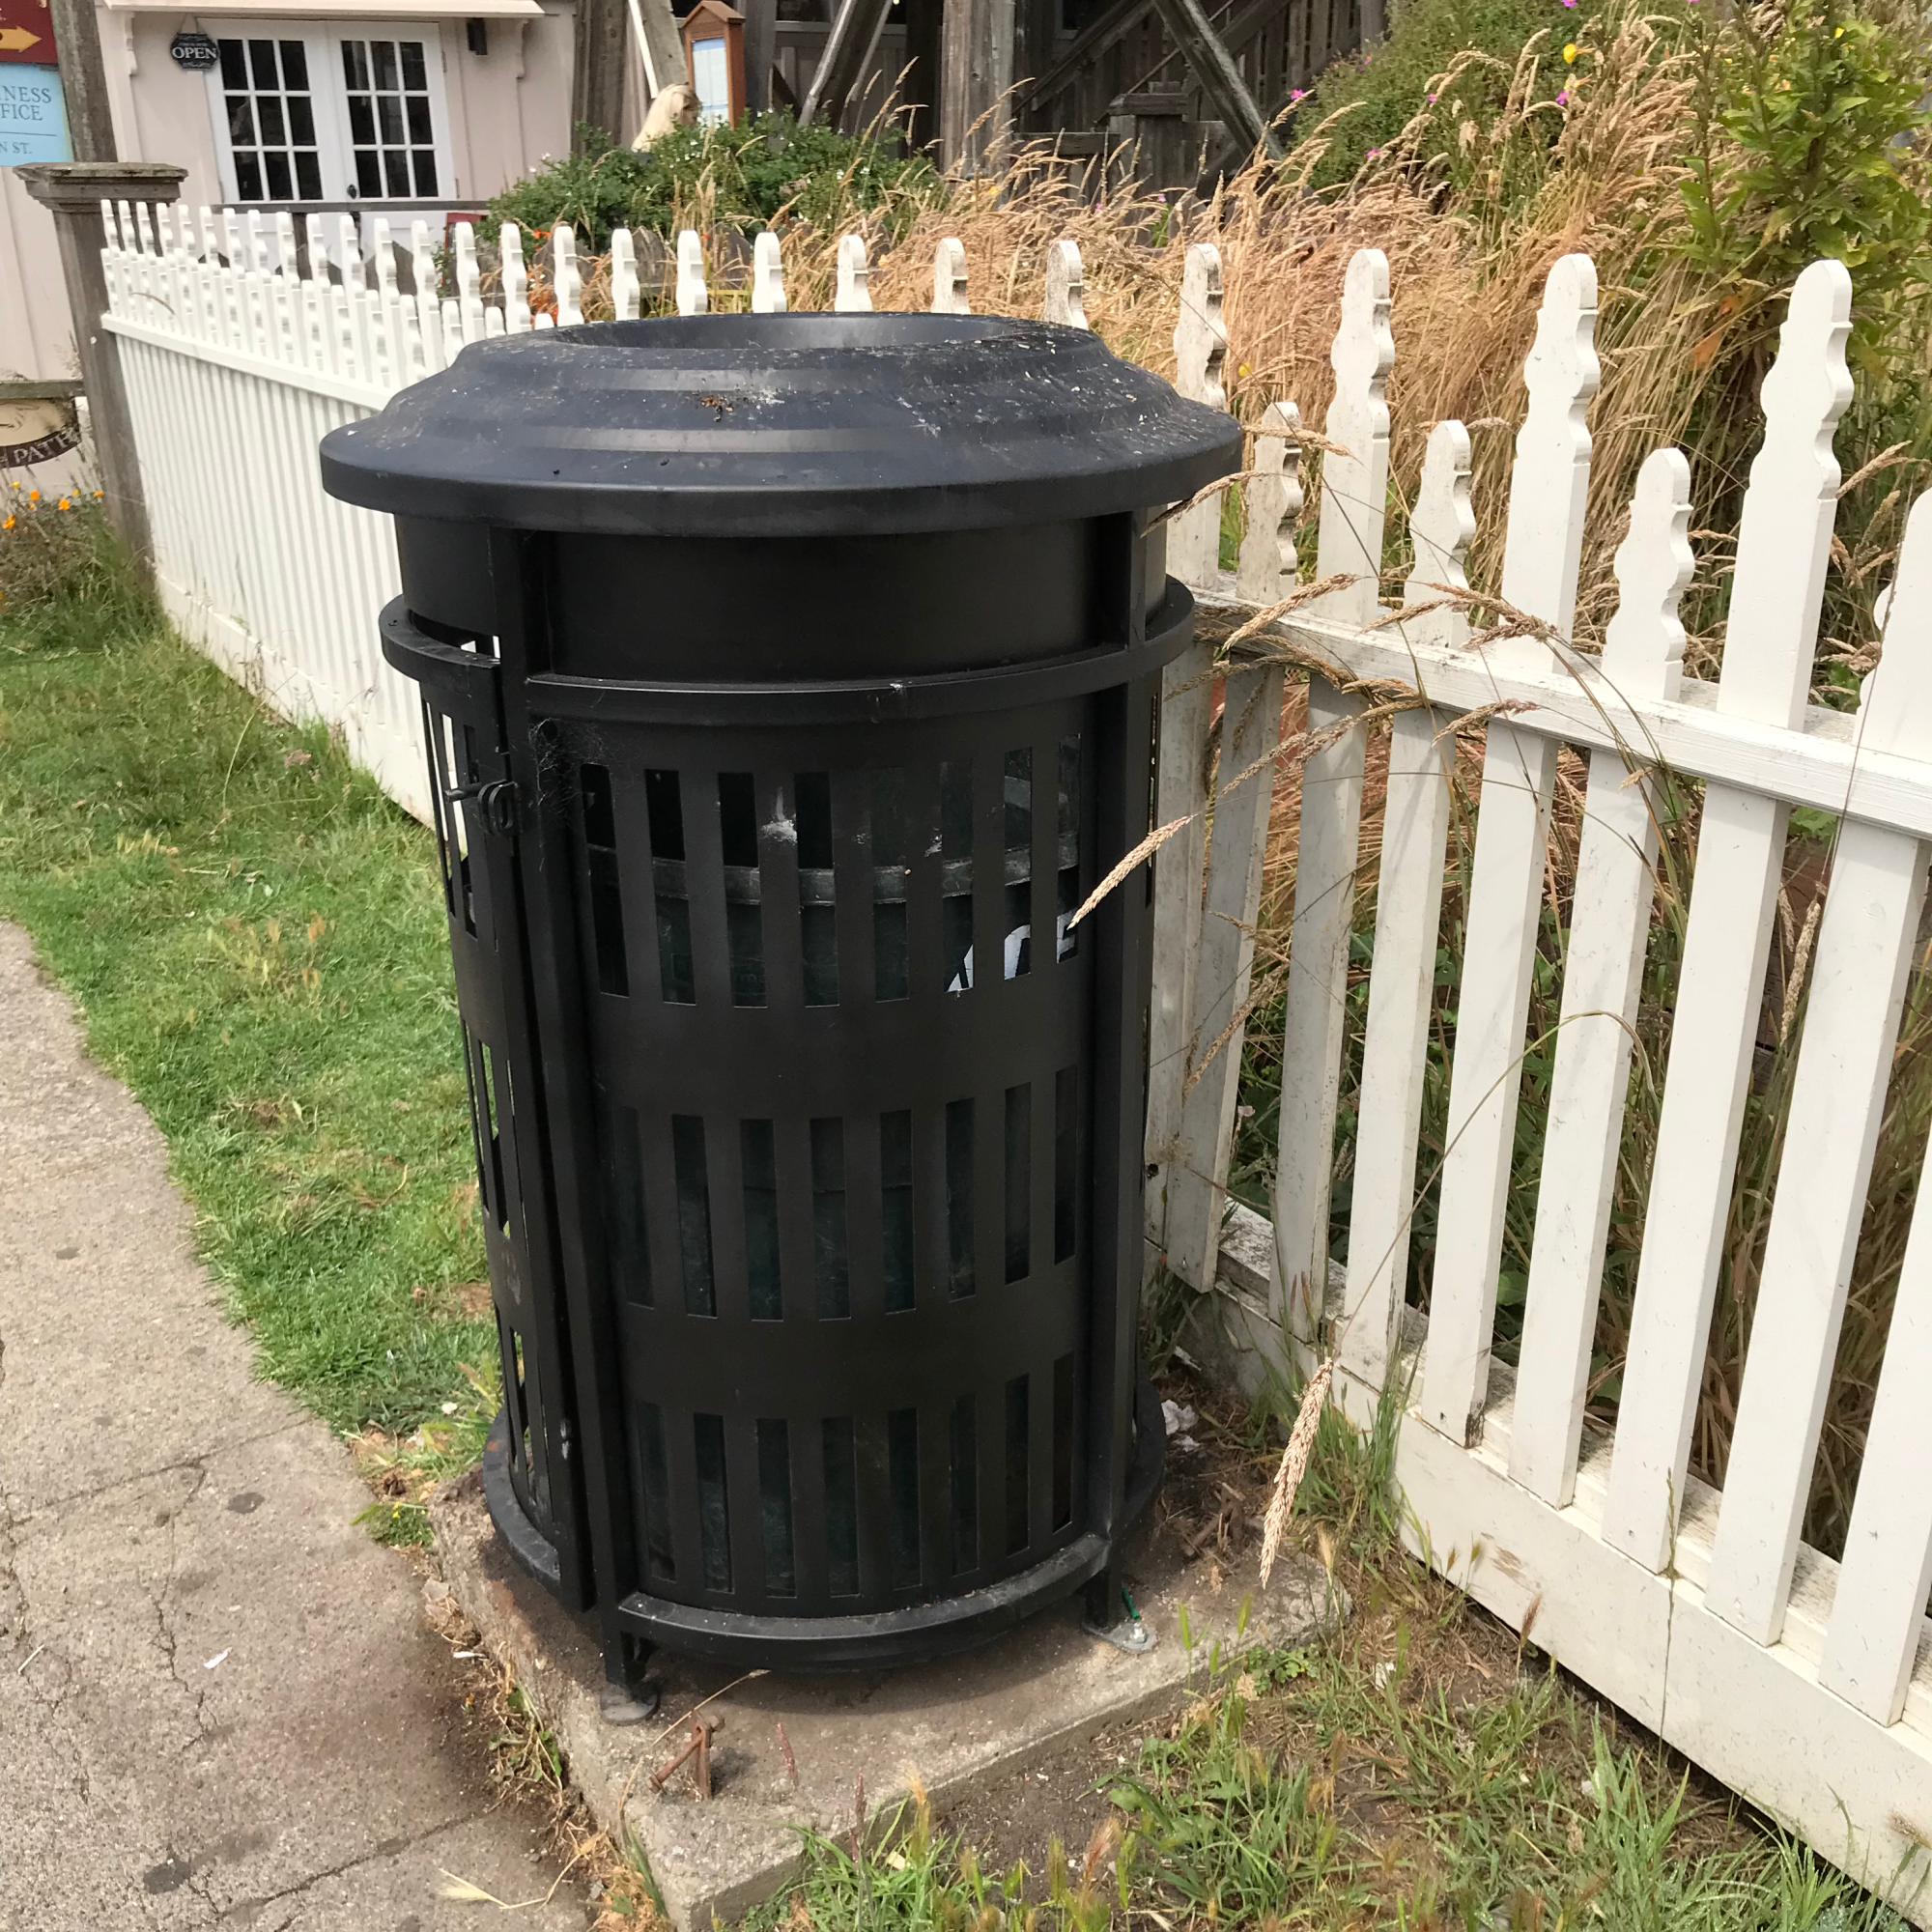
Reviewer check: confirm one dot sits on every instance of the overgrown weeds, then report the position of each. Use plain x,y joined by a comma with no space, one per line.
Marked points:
64,578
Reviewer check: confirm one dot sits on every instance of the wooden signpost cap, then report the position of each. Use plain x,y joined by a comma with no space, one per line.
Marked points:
59,185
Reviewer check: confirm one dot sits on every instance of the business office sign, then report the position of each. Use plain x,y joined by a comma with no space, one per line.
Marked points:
33,116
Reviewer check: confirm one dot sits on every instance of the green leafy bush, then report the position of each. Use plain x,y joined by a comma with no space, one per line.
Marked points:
738,176
1481,42
1806,147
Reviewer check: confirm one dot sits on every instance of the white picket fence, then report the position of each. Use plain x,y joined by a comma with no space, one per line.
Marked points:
1802,1683
244,350
1805,1684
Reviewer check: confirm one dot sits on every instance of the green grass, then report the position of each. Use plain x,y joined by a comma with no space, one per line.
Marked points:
254,936
1419,1768
1329,1790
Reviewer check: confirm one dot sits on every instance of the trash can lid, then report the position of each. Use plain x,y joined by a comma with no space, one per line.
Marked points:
783,425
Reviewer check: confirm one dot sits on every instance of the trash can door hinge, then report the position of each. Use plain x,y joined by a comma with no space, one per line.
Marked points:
496,799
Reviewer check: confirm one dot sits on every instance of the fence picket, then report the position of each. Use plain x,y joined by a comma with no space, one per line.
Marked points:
692,296
1355,488
469,283
349,251
1610,927
623,275
1408,914
852,296
1199,348
422,258
1065,285
1885,1573
1223,970
516,278
386,258
1541,547
1199,353
1837,1099
1784,543
768,293
949,278
565,279
429,309
1264,569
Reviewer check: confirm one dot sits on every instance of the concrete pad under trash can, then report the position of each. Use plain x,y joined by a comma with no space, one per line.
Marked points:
960,1723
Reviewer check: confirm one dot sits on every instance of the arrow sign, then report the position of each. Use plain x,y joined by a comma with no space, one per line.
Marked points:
26,33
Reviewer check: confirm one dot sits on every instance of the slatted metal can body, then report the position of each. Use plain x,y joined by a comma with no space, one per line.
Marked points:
791,682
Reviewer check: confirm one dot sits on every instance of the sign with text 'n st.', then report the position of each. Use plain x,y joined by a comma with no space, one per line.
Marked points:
33,116
26,34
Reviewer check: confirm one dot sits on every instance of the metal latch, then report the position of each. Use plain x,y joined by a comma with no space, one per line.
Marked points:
496,800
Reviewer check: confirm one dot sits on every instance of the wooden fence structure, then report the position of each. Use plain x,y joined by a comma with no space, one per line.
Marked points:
1803,1683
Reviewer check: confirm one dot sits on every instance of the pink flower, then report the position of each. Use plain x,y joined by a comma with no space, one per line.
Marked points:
1563,98
1298,93
1432,100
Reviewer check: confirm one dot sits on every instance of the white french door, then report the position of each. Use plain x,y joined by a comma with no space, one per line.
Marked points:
307,112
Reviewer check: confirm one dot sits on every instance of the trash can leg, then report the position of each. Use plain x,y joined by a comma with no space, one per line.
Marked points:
1111,1613
629,1698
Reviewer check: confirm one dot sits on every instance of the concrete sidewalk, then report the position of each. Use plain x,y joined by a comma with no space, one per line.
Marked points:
218,1701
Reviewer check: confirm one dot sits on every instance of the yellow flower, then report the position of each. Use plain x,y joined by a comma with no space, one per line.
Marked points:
8,525
32,496
1244,368
1570,51
63,504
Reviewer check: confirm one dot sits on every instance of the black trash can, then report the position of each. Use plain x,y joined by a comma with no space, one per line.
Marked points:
790,681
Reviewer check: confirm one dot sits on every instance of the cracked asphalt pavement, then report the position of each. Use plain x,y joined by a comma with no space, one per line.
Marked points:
219,1705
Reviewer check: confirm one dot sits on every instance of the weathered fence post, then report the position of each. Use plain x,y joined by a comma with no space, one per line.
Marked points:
73,192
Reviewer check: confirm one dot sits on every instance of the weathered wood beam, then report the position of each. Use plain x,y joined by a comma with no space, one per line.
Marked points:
597,71
761,38
841,68
661,47
1115,23
28,389
83,75
1188,24
976,79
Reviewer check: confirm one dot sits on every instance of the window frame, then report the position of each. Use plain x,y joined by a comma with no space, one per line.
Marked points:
328,95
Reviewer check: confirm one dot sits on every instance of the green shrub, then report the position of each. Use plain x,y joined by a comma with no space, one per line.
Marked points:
739,177
1386,85
1822,107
